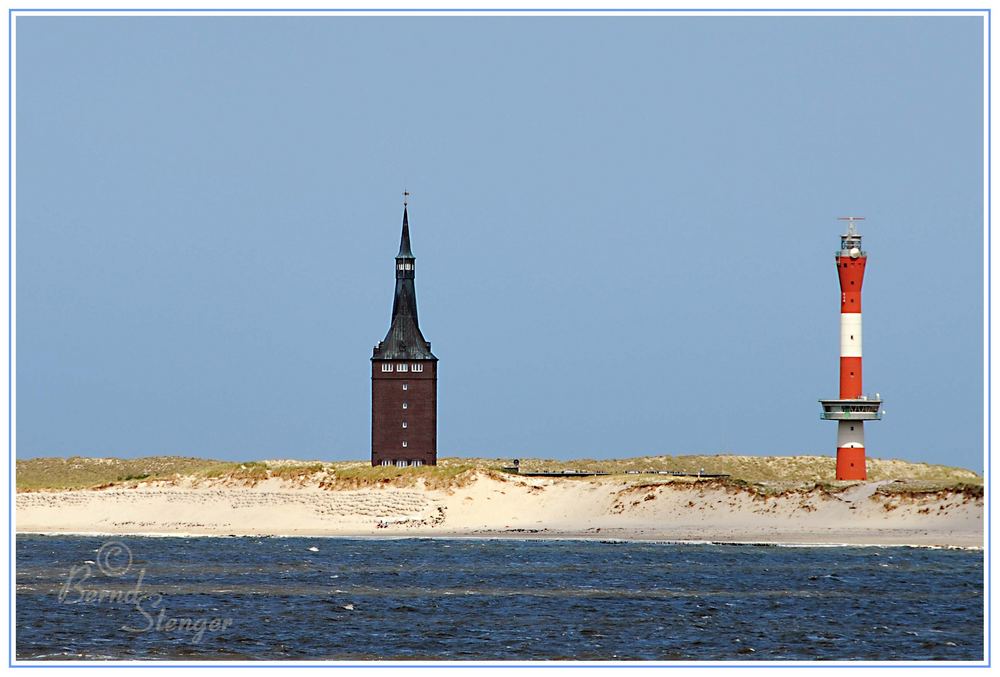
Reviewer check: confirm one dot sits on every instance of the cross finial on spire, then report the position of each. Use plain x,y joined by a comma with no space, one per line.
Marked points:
406,197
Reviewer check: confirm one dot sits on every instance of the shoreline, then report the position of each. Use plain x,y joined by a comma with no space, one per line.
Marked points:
499,536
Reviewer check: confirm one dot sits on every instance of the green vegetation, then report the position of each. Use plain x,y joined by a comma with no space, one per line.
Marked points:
767,474
92,473
77,472
762,469
442,476
295,471
250,471
918,488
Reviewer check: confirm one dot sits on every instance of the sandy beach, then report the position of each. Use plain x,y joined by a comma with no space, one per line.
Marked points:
491,505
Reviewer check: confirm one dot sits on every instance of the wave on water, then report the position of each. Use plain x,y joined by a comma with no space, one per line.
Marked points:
508,599
493,538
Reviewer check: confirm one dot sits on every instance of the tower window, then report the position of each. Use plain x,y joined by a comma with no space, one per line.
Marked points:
404,385
405,405
404,443
404,425
386,461
402,366
386,366
418,367
400,464
416,463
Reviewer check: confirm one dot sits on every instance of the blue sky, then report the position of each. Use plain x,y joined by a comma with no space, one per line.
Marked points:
624,230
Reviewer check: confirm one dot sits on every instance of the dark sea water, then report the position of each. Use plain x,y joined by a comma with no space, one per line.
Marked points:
410,599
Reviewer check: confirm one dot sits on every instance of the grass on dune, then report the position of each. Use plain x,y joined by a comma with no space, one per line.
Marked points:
774,471
442,476
762,469
88,473
78,472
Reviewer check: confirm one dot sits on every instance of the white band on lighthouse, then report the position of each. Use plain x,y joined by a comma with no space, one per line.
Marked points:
850,334
850,434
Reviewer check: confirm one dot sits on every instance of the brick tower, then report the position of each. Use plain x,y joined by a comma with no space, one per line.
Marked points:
404,377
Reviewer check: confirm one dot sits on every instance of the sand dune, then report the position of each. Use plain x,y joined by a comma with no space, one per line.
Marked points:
492,505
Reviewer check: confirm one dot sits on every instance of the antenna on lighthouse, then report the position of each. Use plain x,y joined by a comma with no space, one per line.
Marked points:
850,223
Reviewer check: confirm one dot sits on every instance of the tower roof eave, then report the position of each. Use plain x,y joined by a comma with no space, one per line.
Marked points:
410,358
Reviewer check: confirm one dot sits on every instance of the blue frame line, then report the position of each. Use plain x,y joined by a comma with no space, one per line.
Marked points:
989,313
985,11
523,664
10,420
473,664
174,10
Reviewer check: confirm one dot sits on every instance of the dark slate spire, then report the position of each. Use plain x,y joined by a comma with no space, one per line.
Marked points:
404,241
404,340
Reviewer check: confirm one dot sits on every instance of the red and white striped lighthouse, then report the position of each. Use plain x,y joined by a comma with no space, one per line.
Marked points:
852,408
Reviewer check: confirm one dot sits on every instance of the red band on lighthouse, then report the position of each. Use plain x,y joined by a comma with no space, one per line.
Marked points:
851,463
850,378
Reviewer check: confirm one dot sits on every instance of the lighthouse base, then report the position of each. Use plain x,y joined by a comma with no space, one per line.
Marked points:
851,463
